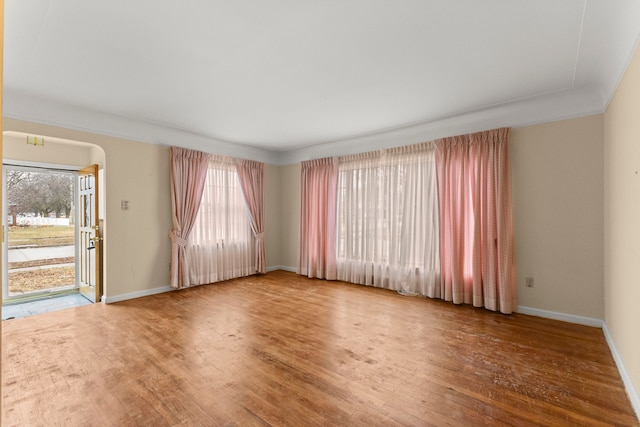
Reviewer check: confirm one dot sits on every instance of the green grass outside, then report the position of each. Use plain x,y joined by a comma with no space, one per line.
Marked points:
41,236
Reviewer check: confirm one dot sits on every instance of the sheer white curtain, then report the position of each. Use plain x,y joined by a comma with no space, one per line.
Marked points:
387,220
221,244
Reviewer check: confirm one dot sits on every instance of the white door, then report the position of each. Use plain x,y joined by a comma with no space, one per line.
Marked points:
90,240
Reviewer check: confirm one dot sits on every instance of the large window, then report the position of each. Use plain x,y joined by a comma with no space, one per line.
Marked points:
387,220
221,244
430,219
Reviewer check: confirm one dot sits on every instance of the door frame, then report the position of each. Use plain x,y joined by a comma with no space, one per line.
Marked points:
8,164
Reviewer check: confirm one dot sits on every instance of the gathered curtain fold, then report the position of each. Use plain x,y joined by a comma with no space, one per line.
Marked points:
317,256
477,242
251,175
188,170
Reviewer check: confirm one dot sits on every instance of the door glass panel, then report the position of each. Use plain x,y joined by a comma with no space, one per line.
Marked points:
40,231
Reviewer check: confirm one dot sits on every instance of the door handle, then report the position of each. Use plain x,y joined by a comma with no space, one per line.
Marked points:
96,239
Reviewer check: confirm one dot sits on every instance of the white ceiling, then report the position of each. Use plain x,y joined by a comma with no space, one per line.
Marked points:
312,76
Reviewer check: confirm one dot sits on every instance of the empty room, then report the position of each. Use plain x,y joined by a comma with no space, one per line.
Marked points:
320,213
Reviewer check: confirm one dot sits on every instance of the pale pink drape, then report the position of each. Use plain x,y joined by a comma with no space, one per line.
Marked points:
188,170
251,175
317,253
476,243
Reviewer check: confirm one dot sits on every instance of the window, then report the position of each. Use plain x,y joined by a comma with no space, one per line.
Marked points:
432,219
387,220
221,244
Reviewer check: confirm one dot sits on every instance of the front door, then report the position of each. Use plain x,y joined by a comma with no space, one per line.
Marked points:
90,234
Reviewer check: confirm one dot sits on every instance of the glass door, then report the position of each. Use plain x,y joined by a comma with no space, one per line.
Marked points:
39,218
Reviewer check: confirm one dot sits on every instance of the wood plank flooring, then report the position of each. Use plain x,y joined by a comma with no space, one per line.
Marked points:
280,349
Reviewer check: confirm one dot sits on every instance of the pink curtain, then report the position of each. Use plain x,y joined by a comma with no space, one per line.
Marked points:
251,174
476,243
317,254
188,169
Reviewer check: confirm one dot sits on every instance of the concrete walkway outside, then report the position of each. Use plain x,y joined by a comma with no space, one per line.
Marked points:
32,254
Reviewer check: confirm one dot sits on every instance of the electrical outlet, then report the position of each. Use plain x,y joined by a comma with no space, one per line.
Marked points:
528,282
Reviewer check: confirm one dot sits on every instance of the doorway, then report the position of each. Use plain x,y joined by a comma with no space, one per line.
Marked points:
52,238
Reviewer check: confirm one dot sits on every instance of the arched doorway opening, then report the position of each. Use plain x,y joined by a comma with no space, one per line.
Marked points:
52,223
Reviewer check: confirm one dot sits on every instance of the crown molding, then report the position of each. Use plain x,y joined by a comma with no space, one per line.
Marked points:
542,109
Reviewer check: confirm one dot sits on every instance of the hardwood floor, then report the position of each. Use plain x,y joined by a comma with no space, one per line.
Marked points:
280,349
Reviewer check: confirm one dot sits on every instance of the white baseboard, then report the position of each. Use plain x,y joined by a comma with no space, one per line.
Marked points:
571,318
145,293
281,267
589,321
626,379
138,294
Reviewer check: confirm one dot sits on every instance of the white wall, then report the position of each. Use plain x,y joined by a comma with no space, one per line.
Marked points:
272,211
622,221
54,151
557,174
290,214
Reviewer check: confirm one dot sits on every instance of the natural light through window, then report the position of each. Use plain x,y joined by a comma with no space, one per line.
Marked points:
221,244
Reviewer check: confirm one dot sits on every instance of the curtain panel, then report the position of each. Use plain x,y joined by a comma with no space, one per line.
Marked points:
251,175
387,225
222,243
317,255
432,219
188,170
477,242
